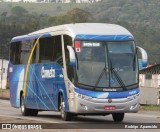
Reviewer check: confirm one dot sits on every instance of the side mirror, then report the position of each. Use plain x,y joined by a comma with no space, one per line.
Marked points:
72,56
144,56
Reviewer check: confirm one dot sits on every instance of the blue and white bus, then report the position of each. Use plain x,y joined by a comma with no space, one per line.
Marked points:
76,69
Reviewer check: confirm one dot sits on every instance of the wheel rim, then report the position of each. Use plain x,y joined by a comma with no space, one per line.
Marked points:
62,108
22,105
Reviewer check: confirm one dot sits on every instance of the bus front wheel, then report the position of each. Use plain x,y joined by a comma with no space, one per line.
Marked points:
118,117
64,115
24,110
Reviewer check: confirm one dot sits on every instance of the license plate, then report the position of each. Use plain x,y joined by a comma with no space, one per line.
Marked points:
110,107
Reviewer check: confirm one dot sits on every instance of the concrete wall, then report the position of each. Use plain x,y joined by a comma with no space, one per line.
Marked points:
149,96
3,78
150,89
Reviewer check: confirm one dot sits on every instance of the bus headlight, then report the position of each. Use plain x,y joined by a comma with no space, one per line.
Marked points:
84,106
133,106
82,96
133,97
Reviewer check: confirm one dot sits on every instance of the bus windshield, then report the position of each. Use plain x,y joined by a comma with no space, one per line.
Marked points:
107,64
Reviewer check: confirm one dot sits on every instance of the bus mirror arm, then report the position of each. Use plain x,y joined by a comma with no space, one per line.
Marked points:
72,56
144,56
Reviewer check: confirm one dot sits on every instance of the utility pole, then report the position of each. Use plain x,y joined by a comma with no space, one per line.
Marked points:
2,73
1,66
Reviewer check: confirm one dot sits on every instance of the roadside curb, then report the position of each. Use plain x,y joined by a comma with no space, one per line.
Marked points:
4,98
5,94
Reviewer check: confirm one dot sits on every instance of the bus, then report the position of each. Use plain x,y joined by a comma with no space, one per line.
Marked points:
75,69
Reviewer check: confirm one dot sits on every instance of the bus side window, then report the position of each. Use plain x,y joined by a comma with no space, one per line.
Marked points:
26,48
70,70
15,51
58,50
46,50
50,50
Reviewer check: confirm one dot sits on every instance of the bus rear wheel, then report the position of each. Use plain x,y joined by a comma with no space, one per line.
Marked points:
118,117
24,110
33,112
64,115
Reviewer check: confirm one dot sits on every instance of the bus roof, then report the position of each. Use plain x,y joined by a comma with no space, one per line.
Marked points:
28,37
83,31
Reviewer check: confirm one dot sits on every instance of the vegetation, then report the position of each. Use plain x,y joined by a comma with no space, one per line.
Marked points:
150,108
141,17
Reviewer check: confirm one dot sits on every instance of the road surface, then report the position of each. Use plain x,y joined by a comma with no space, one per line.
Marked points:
9,114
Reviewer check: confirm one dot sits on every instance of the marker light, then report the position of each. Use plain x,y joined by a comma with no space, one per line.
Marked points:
78,46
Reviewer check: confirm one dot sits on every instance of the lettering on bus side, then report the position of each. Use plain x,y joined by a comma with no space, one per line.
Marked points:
48,73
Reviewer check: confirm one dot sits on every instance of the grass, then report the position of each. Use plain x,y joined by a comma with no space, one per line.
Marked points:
6,89
3,90
150,107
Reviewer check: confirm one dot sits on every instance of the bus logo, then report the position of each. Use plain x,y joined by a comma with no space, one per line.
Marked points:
48,73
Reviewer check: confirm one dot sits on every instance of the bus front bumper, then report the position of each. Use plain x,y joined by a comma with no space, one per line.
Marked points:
107,106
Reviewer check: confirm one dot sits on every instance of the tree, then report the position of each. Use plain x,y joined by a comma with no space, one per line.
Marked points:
79,16
3,17
73,1
61,19
19,11
74,16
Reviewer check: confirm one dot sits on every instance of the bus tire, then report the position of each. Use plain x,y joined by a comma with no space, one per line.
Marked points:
66,116
33,112
118,117
24,110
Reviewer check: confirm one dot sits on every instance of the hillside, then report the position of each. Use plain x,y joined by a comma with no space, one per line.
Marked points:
141,17
51,9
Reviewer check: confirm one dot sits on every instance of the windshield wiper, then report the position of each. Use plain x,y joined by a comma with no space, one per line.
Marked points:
104,70
120,81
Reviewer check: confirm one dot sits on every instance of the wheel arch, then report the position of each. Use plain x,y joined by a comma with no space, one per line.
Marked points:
21,93
65,97
60,93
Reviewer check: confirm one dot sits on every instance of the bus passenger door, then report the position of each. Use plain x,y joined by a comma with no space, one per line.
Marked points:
48,70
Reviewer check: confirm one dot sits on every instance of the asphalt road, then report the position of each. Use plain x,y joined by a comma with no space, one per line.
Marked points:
92,122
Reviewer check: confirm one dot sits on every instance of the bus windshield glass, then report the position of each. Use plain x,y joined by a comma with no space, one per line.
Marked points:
106,64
